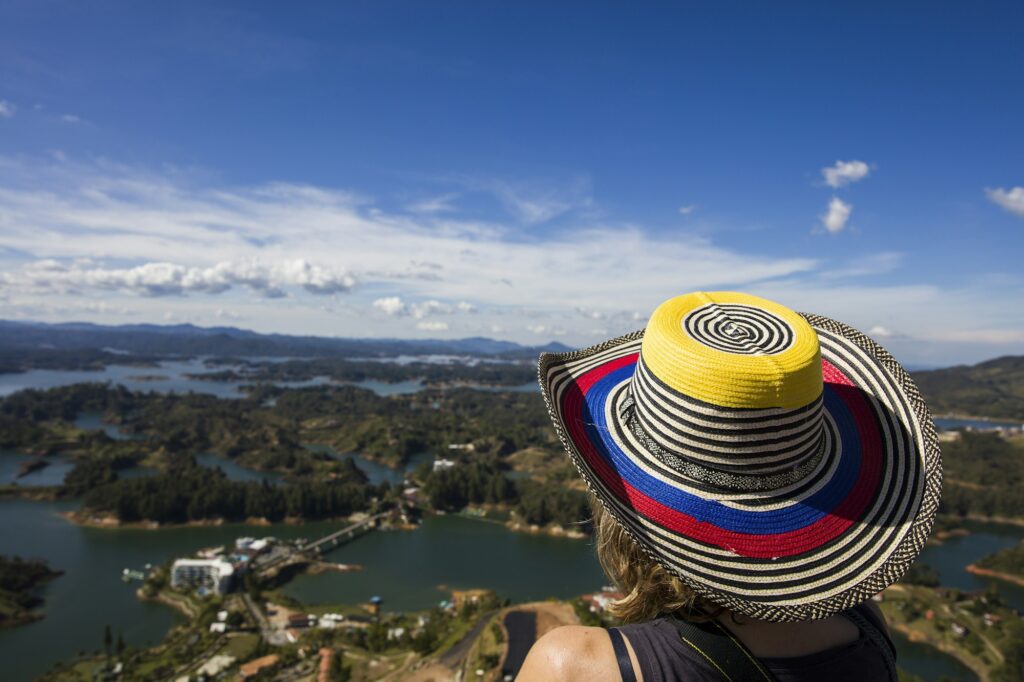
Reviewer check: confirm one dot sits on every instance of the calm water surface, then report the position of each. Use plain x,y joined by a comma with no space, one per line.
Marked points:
447,550
944,424
169,377
454,552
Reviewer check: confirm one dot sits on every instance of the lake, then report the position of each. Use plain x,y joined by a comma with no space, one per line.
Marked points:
452,550
949,423
447,550
170,377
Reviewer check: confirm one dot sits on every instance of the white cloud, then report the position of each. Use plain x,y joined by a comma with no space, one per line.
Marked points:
687,210
845,173
434,326
879,332
396,307
70,231
7,109
1011,200
70,118
171,279
392,305
837,216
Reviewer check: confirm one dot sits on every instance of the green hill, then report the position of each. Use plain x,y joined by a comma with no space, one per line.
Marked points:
994,389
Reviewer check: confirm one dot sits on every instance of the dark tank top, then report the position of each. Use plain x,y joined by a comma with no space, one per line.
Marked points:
663,657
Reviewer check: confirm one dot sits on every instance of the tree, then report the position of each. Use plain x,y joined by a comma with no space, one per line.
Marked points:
108,640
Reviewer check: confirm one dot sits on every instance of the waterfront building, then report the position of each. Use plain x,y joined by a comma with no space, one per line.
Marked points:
208,575
442,463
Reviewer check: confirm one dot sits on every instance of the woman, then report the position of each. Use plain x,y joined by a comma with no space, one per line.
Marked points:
758,475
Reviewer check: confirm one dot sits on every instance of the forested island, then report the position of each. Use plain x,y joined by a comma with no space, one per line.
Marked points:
495,434
20,581
1007,564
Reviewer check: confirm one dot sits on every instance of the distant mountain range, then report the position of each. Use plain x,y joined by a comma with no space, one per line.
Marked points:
188,339
994,389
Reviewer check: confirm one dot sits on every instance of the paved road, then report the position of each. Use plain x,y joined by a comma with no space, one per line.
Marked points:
522,631
270,634
453,657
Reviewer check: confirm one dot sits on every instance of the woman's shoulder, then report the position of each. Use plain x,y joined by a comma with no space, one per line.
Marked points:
572,652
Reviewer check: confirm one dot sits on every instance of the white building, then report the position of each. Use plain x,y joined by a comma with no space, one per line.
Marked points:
214,575
442,463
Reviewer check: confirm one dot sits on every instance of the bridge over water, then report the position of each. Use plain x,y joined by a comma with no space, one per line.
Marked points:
325,543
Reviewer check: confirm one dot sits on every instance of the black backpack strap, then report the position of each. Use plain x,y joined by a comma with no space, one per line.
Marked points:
868,622
721,650
622,655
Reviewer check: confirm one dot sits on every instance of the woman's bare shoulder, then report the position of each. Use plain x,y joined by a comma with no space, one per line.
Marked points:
569,653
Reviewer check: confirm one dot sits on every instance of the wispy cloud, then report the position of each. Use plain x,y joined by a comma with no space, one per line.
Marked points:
844,173
866,266
432,326
307,259
534,203
70,118
432,205
7,109
1011,200
834,220
687,210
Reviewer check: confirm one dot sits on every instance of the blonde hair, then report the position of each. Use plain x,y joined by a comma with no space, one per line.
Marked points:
649,589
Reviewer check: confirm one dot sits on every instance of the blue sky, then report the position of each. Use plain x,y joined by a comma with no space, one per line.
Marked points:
529,171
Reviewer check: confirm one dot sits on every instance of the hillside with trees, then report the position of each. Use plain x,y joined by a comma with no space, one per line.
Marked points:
993,389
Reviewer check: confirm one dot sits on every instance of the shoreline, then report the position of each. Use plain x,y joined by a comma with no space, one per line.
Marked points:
998,420
918,637
112,523
998,575
940,537
170,602
1005,520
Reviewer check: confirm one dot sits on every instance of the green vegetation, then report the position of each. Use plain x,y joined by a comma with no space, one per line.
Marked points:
1009,561
16,360
983,476
993,389
188,492
20,581
494,430
978,629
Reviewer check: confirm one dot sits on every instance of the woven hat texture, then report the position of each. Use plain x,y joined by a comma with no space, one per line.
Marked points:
781,464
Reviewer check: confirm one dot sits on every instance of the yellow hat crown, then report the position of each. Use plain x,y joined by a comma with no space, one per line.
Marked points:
732,382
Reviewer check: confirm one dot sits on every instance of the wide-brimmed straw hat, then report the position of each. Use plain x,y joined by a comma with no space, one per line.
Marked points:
781,464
